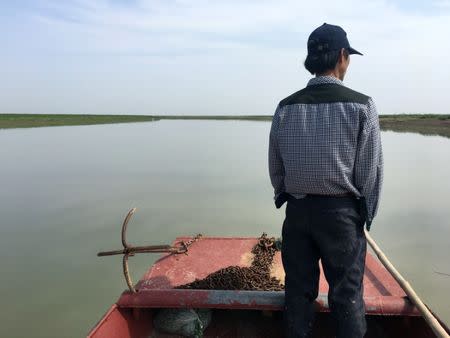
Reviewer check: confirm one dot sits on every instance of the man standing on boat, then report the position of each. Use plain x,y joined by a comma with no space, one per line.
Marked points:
325,160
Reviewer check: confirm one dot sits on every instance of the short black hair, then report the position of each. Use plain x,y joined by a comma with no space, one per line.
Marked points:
320,63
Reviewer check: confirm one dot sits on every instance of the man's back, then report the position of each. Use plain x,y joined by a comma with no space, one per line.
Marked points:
317,143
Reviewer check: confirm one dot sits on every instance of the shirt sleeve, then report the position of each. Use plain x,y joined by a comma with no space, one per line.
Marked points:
276,168
369,162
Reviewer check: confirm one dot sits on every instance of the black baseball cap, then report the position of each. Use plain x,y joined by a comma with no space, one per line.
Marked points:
329,38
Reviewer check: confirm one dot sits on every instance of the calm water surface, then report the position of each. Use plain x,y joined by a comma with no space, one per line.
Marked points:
65,190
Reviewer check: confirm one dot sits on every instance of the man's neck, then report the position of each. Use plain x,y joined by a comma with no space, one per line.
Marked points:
332,73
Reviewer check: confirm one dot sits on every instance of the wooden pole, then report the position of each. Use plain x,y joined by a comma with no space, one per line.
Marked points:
427,315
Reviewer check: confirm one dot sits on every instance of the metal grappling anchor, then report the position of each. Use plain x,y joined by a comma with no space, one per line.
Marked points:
129,250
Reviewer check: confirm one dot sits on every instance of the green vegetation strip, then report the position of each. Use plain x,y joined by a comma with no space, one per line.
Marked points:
427,124
41,120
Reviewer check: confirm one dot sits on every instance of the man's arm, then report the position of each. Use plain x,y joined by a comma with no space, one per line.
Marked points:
369,162
276,168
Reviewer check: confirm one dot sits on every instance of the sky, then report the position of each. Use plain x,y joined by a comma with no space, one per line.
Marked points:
213,57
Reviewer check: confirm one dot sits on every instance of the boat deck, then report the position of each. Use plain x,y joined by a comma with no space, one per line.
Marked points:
238,313
382,294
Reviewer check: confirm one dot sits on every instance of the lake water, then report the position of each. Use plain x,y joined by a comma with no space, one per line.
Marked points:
65,190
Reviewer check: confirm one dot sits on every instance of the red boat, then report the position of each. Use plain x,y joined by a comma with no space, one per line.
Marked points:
247,313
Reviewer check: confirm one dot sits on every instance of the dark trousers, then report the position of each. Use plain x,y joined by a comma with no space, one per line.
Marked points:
330,229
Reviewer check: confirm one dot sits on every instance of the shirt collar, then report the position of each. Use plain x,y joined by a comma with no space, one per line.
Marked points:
327,79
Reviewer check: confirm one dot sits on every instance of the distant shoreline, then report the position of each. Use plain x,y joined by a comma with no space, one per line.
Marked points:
426,124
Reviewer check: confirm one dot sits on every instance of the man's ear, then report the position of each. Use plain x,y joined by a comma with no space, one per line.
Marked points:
342,57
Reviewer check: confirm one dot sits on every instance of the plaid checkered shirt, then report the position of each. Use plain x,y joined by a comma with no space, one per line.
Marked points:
325,140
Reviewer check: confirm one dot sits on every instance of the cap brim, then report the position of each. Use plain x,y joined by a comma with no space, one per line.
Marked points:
353,51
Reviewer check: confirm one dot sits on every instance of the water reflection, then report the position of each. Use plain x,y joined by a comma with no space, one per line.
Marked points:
65,191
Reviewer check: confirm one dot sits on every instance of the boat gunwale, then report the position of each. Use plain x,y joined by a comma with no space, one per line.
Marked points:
256,300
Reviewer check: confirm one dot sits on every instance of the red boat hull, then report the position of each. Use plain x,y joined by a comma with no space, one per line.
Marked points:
137,323
248,313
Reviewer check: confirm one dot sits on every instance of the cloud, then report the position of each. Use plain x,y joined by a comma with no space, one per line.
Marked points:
442,4
180,27
208,48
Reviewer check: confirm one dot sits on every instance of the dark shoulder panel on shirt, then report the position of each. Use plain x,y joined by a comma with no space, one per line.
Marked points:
325,93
